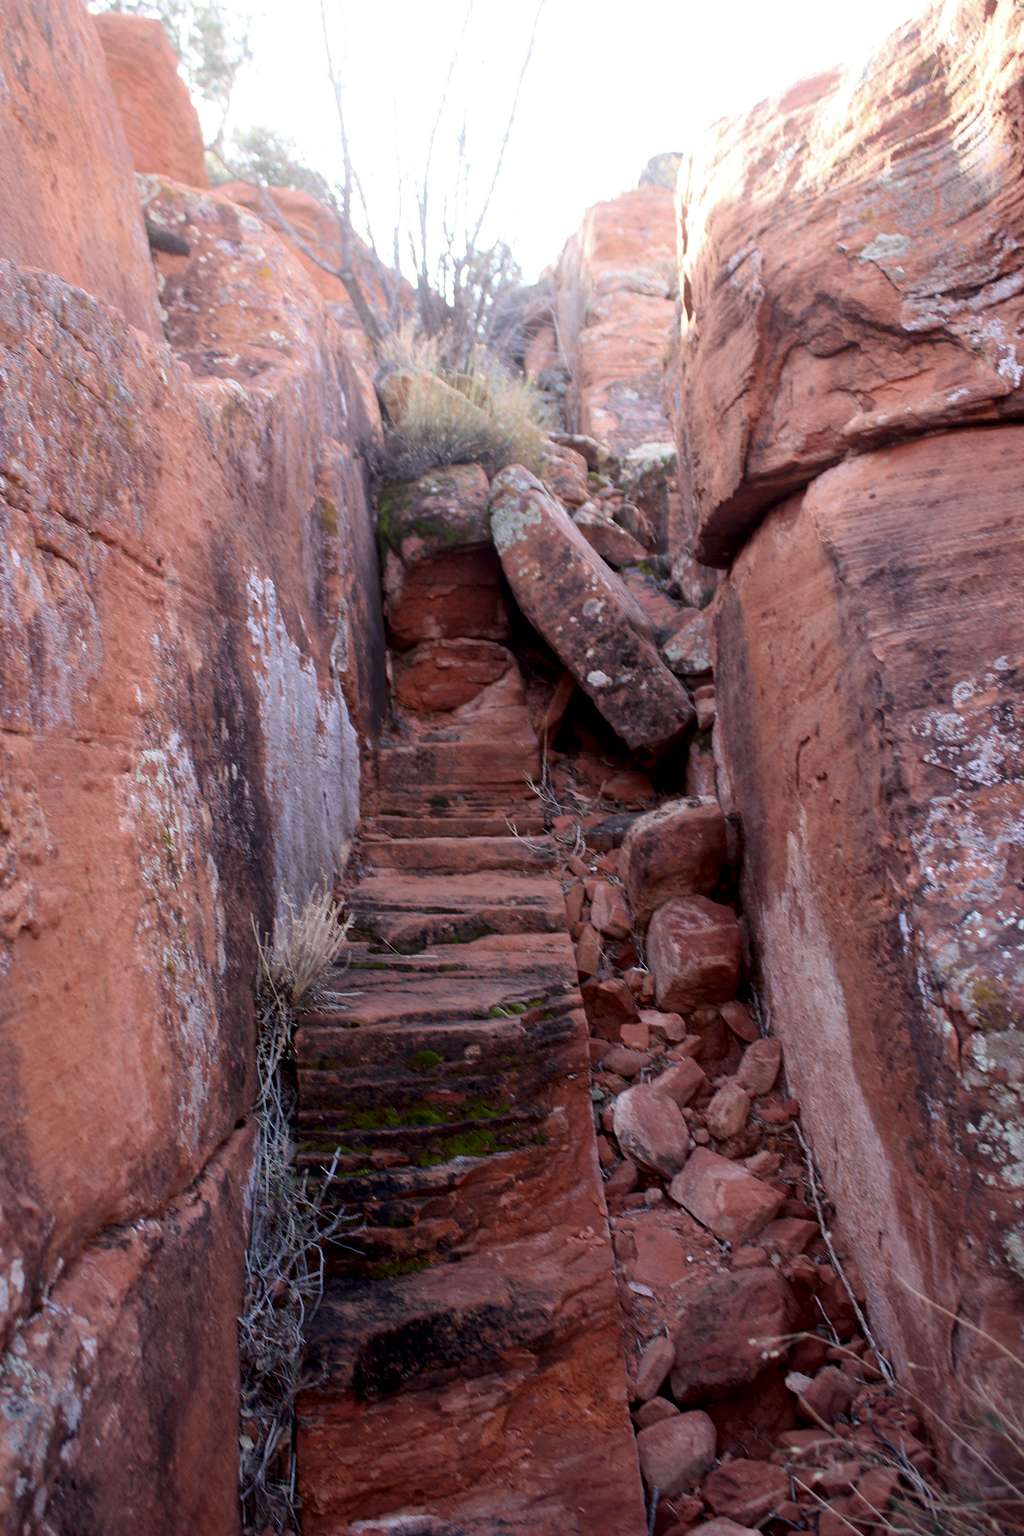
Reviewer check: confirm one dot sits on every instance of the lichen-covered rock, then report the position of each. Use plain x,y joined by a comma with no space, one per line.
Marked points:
443,511
850,272
157,115
585,614
882,798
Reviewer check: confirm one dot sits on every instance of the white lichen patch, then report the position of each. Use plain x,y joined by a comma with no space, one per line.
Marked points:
511,522
884,248
179,924
311,753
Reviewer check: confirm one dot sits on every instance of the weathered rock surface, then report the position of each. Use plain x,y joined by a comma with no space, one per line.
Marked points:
135,1350
728,1332
445,674
677,850
850,271
881,794
189,634
66,185
615,285
160,123
723,1197
585,614
693,949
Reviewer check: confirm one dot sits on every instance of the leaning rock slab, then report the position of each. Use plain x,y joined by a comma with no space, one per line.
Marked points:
585,614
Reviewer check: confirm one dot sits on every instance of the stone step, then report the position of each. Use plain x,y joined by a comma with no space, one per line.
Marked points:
443,855
442,998
455,763
443,1074
409,911
411,1371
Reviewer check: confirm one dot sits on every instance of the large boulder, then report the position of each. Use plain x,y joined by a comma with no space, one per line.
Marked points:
850,271
585,614
67,190
159,120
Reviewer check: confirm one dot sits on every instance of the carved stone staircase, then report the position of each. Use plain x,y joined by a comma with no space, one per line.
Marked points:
466,1371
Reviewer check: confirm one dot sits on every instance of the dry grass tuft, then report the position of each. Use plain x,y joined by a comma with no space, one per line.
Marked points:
289,1224
480,414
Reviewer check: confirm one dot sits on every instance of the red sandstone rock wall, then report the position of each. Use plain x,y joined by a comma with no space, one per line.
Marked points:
67,203
189,651
159,120
615,284
850,267
851,280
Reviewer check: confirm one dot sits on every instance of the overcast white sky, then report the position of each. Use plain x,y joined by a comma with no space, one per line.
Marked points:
612,82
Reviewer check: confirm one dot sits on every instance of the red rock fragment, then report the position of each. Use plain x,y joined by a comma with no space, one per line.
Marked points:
609,1004
681,1082
676,1453
724,1197
653,1412
746,1491
651,1130
740,1021
693,950
726,1114
609,912
760,1066
676,850
729,1332
653,1367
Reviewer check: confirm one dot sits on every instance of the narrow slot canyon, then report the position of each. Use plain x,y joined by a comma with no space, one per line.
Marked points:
655,758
